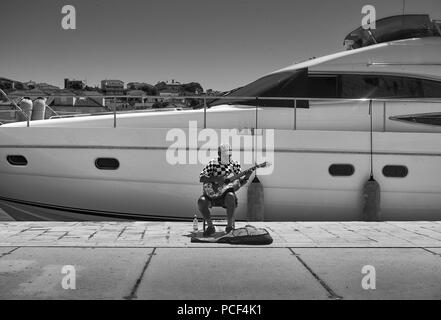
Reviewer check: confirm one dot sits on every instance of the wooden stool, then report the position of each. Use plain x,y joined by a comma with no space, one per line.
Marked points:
218,220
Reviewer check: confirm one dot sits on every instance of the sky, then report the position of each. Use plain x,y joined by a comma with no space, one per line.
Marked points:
221,44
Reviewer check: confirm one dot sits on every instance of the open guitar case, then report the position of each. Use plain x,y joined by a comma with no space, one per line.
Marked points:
248,235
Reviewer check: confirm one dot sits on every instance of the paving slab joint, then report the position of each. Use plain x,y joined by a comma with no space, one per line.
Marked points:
132,294
9,252
331,293
432,252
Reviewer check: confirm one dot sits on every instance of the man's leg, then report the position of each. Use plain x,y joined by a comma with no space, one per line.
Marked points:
204,208
230,203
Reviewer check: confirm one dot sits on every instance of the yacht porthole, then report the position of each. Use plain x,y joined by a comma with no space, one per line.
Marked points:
395,171
107,163
17,160
341,170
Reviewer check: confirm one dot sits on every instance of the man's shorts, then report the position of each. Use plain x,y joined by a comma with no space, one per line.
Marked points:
220,202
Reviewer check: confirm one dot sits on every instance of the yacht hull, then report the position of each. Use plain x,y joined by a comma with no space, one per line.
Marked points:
61,178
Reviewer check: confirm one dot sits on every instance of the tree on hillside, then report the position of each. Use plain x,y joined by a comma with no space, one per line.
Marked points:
150,90
160,86
193,87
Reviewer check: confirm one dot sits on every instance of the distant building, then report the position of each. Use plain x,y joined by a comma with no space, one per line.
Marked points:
137,99
137,85
112,87
69,102
8,84
94,99
135,93
62,97
173,88
74,84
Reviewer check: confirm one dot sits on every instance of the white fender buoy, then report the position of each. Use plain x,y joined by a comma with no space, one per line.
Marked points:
371,197
26,106
255,201
38,109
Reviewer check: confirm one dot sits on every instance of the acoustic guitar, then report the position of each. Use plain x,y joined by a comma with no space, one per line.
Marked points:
216,190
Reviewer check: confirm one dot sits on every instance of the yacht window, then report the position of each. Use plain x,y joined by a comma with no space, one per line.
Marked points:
17,160
358,86
395,171
400,87
299,84
323,86
432,89
107,163
280,84
341,170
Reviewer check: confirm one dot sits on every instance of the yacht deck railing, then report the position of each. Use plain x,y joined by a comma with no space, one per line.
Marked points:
111,104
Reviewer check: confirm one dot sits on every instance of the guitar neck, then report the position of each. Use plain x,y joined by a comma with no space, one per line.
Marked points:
241,174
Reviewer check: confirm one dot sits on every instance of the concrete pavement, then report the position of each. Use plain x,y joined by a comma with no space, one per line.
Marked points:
156,260
177,234
36,273
411,273
227,273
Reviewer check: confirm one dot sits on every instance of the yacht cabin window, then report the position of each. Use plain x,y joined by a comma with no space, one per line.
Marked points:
341,170
358,86
17,160
107,163
323,86
395,171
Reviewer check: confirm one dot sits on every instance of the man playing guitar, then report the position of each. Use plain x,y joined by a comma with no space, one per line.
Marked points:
217,172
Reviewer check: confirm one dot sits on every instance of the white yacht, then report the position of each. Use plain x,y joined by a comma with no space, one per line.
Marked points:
320,111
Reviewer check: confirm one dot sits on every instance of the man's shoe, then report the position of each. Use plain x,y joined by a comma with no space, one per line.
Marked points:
209,231
228,229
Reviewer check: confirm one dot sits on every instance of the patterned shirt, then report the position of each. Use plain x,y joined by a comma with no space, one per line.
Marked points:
215,168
